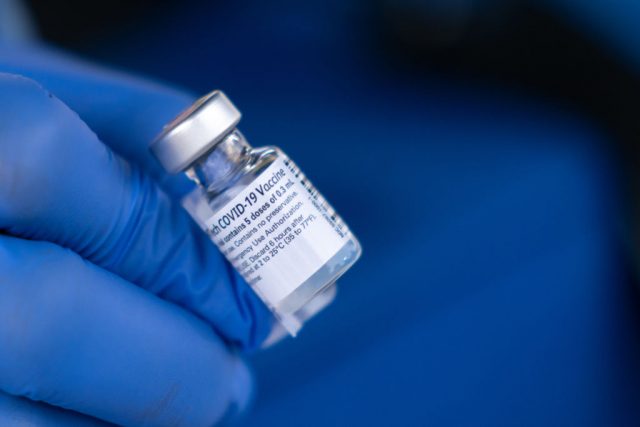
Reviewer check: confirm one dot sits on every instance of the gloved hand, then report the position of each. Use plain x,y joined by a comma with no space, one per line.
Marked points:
112,303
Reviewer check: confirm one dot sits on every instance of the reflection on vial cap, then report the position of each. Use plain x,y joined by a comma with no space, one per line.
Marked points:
195,131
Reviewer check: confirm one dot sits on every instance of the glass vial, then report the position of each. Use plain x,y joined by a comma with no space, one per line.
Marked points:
259,209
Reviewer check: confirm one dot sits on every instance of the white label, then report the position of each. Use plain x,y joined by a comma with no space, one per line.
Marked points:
277,231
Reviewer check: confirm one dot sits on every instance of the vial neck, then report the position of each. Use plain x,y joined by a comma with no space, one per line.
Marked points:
223,165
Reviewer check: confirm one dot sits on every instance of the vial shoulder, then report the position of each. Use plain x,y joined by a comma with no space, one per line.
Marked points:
259,161
263,157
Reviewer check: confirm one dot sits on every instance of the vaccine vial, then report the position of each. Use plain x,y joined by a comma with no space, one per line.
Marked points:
264,215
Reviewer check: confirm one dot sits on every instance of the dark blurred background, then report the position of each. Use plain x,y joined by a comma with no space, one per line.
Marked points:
518,43
485,151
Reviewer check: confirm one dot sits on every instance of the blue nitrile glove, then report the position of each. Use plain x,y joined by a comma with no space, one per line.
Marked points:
112,303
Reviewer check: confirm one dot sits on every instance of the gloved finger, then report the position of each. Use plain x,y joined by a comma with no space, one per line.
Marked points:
81,338
125,112
21,412
59,183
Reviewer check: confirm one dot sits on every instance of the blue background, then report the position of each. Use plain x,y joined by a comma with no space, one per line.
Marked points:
494,288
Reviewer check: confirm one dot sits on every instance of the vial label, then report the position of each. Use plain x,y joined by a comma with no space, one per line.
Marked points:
277,231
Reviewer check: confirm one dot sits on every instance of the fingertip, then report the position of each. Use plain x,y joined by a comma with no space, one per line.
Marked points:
242,394
242,387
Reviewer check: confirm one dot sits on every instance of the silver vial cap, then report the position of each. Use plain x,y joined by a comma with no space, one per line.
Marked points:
195,131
